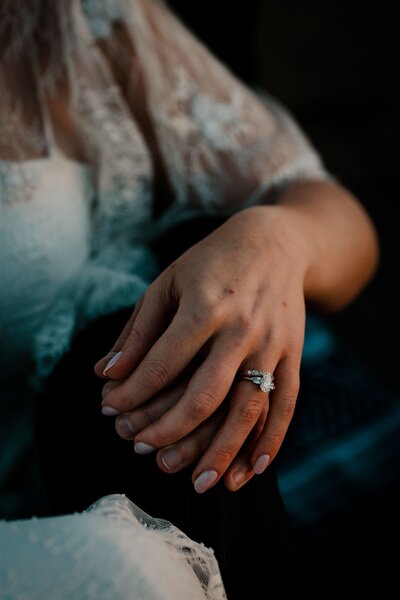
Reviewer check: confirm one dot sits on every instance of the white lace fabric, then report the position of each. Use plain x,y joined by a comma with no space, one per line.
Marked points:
220,146
113,550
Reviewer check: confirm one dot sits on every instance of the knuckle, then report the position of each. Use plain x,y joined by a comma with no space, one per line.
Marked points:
154,373
245,324
207,300
201,406
274,336
206,311
198,319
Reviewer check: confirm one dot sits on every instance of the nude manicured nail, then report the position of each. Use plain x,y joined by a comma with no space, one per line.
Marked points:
108,411
171,459
112,362
142,448
125,428
238,479
261,464
205,481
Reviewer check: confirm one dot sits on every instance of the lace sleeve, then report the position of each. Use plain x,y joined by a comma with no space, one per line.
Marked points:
221,145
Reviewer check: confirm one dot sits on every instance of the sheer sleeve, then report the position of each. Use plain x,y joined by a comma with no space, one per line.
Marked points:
219,144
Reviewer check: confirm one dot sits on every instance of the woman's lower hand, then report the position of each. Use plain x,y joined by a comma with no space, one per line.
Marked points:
185,452
237,298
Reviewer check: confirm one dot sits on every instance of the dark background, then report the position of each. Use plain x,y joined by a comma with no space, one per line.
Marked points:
336,66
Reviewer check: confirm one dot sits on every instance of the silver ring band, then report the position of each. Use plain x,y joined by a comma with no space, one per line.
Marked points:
264,379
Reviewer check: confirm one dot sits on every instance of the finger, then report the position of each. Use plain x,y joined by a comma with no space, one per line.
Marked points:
165,361
240,471
247,404
130,424
151,319
101,364
282,405
185,452
207,389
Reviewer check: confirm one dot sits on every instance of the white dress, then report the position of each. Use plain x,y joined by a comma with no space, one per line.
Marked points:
74,238
113,551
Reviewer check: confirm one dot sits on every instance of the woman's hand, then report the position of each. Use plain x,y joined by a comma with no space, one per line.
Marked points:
185,452
237,297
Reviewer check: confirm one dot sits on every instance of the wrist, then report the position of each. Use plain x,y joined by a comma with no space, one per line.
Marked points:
339,239
286,232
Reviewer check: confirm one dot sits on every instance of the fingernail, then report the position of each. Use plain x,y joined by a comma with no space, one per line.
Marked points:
261,464
171,459
112,362
238,478
108,411
142,448
124,427
205,480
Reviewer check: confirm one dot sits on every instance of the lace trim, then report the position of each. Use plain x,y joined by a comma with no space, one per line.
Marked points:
200,558
114,550
124,168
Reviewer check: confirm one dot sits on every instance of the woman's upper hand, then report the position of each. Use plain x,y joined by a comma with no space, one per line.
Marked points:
237,299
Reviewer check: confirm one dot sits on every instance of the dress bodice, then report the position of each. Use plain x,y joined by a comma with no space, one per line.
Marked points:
44,241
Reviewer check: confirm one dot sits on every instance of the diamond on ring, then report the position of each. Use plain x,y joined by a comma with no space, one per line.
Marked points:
264,379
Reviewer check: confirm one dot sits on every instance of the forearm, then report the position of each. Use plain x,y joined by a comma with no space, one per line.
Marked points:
340,238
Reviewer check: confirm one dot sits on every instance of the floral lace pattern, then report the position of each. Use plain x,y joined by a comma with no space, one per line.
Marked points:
205,127
200,558
125,194
113,550
218,137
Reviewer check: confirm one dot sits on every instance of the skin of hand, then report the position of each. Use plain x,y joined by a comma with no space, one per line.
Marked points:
235,300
